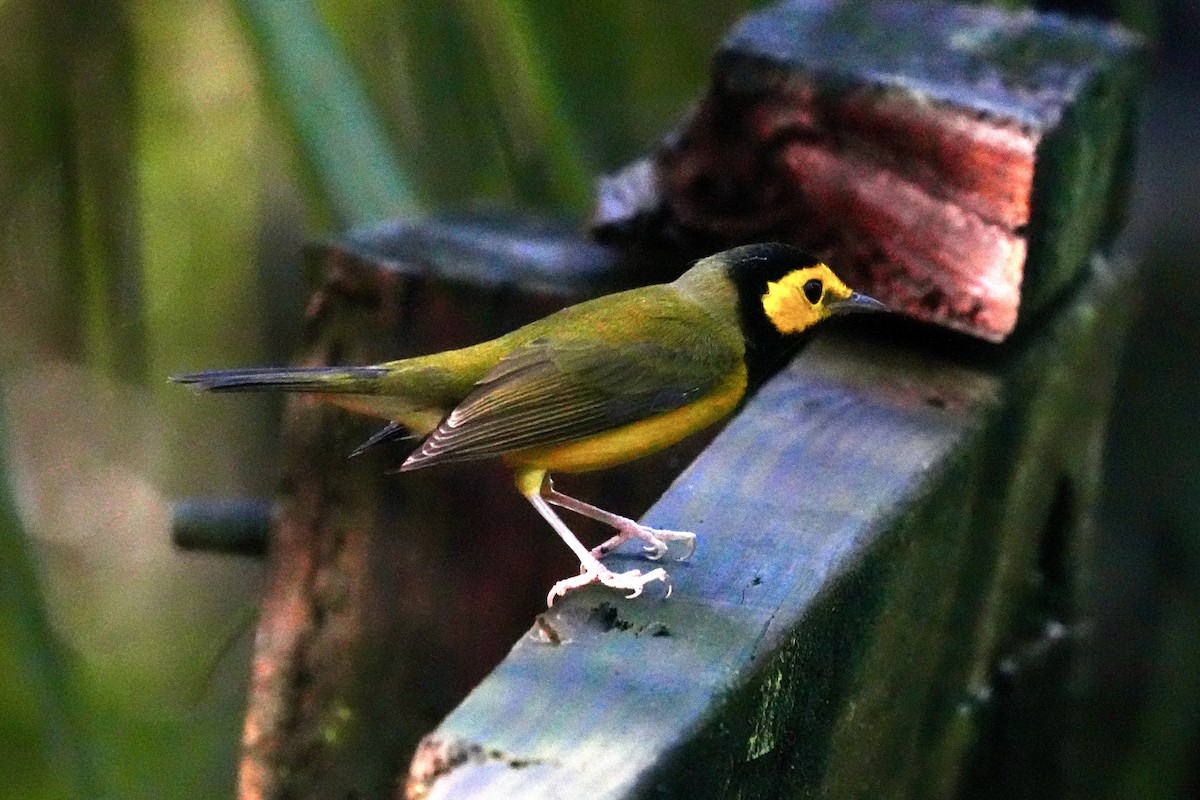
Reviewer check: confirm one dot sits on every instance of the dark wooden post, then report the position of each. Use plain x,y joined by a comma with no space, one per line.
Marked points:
894,531
388,598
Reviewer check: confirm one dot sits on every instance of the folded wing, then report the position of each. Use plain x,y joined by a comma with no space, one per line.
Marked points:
558,389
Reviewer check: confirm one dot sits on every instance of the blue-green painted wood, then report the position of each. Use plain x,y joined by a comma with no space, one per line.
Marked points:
871,531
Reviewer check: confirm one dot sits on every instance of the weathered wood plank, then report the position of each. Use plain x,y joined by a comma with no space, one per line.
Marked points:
900,140
883,530
533,254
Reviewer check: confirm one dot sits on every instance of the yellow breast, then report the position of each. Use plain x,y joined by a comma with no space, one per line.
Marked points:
638,439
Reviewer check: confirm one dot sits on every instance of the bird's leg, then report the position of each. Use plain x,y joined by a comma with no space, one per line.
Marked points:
592,571
655,539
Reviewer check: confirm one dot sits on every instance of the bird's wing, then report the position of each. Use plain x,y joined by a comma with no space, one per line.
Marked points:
558,389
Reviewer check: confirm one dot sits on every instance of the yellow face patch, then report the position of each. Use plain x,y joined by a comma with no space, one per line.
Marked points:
799,299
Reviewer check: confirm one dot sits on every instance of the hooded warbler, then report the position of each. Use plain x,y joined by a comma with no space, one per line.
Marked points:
593,385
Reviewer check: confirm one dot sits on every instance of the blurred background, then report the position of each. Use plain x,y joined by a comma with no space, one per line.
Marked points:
161,165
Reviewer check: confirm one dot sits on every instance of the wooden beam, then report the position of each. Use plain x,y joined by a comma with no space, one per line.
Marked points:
888,533
900,141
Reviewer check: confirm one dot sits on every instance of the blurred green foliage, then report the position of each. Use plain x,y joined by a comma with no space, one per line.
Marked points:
42,719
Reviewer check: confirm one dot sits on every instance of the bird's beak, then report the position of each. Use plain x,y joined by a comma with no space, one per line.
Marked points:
855,303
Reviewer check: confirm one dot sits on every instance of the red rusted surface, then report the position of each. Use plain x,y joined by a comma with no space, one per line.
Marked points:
983,164
937,260
918,147
919,204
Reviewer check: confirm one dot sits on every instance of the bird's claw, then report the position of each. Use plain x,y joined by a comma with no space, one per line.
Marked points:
656,542
654,552
633,580
691,547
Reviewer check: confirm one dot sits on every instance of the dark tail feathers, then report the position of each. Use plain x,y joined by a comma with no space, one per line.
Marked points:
335,380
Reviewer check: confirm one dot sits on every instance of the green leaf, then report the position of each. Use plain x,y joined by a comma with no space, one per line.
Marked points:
540,142
344,143
69,198
101,180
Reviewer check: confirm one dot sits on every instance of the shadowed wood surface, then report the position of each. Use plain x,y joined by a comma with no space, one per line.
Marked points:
958,162
889,538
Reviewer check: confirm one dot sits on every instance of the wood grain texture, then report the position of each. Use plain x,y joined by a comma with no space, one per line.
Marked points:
884,532
960,163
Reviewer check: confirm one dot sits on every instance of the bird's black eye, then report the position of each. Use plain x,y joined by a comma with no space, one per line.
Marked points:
813,290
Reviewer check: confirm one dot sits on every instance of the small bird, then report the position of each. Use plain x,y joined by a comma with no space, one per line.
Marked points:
591,386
